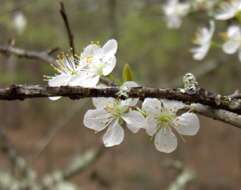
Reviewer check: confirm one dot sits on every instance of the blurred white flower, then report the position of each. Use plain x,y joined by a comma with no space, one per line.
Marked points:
87,69
228,9
162,120
232,41
203,41
113,114
174,12
19,22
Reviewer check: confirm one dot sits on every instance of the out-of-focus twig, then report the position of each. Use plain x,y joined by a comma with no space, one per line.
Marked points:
185,175
77,165
17,161
67,26
37,55
56,129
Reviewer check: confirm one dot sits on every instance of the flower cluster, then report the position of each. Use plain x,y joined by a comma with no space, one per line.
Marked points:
223,11
159,118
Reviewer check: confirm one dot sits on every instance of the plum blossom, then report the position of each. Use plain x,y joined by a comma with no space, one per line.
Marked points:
84,70
99,61
203,41
162,120
113,114
174,12
228,10
232,41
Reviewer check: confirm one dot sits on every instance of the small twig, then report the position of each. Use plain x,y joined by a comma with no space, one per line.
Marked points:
41,55
66,23
75,166
56,129
18,162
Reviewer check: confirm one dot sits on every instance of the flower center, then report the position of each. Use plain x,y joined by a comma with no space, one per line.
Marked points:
116,110
164,119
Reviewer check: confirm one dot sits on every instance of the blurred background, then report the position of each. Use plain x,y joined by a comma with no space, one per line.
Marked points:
158,56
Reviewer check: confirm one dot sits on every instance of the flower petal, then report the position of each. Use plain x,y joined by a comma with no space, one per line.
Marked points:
84,80
102,102
134,120
172,105
130,101
151,106
110,47
114,135
199,53
151,125
187,124
165,140
59,80
231,46
54,98
109,65
90,50
97,119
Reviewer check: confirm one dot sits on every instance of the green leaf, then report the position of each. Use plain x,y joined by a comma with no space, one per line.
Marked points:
127,74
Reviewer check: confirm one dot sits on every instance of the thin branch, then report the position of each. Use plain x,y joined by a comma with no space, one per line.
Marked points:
79,164
18,162
217,114
67,25
202,96
42,145
37,55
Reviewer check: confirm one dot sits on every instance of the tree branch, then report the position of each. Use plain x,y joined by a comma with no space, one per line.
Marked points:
202,96
220,107
217,114
41,55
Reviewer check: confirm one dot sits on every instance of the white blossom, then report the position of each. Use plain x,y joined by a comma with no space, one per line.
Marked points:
87,69
228,9
162,120
19,22
233,41
203,41
174,12
112,114
99,61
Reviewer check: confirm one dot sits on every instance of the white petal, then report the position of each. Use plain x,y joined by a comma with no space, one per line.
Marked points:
59,80
199,53
231,46
114,135
134,120
129,84
151,106
54,98
109,65
151,125
187,124
130,101
85,80
97,119
165,140
172,105
102,102
227,11
234,32
110,47
90,50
